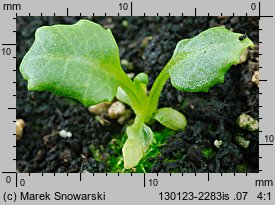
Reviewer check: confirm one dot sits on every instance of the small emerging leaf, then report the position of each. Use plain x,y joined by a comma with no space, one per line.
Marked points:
142,78
201,62
141,81
171,118
140,136
79,61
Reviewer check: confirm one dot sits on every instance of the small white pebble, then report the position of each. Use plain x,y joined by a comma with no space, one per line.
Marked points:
247,122
65,134
20,124
116,109
255,78
242,141
218,143
99,108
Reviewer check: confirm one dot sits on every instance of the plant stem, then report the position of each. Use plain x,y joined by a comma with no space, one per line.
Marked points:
156,91
138,100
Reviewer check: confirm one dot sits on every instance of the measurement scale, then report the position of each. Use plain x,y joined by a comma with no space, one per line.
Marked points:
150,188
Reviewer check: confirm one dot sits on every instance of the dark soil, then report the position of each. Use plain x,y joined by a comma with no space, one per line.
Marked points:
211,116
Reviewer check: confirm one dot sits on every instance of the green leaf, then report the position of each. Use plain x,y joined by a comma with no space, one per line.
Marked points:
201,62
122,96
141,78
79,61
171,118
141,81
140,136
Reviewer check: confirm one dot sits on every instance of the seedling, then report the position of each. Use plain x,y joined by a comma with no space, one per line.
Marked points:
81,61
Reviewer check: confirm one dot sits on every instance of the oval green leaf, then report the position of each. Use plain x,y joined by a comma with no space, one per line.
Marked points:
201,62
79,61
140,136
171,118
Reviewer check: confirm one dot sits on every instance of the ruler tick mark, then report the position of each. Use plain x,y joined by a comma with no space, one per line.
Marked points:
16,179
131,8
9,44
144,180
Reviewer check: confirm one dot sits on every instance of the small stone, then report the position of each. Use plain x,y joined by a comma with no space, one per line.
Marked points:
242,141
218,143
98,109
123,118
126,64
66,156
65,134
145,41
255,78
116,109
109,20
247,122
20,124
125,23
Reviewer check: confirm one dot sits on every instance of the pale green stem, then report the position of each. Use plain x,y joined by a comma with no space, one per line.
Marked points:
139,100
156,91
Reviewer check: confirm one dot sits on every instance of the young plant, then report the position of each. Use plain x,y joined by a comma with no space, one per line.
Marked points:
81,61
